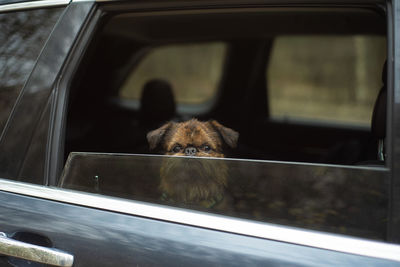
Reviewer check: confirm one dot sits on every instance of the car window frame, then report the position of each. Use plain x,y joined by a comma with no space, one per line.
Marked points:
393,118
58,120
55,159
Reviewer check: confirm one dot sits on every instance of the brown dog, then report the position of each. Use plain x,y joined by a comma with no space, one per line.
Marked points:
189,179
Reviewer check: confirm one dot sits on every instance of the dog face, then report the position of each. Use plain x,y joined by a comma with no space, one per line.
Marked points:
189,179
193,138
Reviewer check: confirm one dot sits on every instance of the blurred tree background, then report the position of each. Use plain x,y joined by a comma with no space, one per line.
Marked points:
193,70
335,78
22,37
319,78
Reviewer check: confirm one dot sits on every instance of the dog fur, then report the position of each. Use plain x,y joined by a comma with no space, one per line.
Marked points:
189,179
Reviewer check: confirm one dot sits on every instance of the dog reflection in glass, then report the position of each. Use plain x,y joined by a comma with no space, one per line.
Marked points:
190,180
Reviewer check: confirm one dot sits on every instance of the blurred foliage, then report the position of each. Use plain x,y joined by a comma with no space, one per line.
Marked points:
194,71
335,78
329,78
22,37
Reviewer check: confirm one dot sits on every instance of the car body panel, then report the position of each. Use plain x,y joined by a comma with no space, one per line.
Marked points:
104,238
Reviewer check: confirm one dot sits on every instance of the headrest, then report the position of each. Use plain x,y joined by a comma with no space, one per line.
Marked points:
378,122
384,73
157,102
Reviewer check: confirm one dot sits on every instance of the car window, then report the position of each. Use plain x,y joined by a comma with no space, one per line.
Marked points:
330,79
25,139
22,37
230,159
193,71
290,194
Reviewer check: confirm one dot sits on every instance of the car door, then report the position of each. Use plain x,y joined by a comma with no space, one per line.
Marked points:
100,231
86,218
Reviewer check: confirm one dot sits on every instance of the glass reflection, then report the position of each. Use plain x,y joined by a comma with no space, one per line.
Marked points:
22,37
345,200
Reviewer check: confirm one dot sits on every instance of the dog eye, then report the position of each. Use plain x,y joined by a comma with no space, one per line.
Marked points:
206,148
177,149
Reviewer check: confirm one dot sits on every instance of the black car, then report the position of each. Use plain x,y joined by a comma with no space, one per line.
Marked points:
311,87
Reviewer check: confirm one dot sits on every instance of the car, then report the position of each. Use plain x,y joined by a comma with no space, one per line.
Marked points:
310,87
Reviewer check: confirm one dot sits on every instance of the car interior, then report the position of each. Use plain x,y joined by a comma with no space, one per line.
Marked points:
100,120
304,88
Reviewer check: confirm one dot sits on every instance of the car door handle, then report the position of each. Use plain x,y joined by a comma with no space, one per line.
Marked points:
30,252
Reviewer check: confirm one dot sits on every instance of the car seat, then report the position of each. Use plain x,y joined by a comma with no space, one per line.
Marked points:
378,122
157,106
157,103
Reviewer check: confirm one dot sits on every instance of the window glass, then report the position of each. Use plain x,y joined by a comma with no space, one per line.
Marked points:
325,78
350,201
193,70
22,37
110,145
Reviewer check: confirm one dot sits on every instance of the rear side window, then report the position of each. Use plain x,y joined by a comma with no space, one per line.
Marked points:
334,79
22,37
232,163
193,71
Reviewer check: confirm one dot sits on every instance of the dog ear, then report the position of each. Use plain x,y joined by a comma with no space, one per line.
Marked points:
156,136
230,136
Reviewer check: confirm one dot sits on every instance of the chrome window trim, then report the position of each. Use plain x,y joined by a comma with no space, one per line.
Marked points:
293,163
210,221
33,5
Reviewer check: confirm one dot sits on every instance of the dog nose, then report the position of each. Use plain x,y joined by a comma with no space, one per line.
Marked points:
190,151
